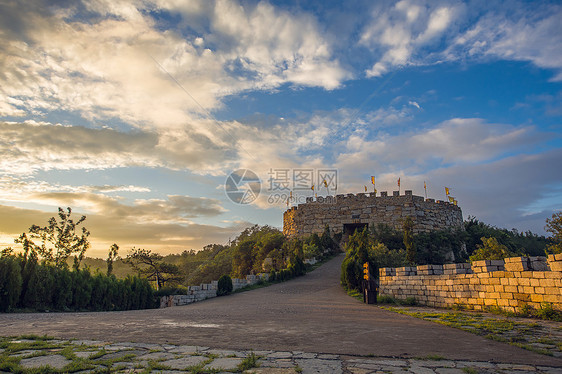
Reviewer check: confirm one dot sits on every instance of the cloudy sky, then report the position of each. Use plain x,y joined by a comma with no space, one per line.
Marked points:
134,113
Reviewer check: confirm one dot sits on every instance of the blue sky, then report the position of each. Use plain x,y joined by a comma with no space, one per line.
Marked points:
135,112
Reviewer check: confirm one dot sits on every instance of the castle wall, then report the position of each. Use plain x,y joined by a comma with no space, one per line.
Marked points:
366,208
508,284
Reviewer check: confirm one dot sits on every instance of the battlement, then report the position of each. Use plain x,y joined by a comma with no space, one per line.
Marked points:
344,213
511,284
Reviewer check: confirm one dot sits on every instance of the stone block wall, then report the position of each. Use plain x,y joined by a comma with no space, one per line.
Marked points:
208,291
508,284
367,208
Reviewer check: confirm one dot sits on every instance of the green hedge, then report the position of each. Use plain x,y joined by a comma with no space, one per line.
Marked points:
31,285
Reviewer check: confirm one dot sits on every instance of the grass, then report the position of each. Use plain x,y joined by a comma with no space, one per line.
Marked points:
249,362
520,334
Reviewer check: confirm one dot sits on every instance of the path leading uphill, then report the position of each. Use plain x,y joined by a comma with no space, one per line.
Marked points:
309,314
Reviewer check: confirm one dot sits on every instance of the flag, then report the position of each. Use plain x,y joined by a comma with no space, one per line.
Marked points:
447,191
398,182
325,183
455,202
365,188
312,188
451,199
372,180
424,185
291,194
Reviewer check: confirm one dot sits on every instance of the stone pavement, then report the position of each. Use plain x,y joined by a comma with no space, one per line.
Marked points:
89,356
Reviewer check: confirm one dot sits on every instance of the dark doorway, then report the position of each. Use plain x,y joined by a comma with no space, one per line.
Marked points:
349,229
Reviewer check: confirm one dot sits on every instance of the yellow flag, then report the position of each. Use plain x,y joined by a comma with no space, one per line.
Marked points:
373,180
451,199
312,188
424,185
365,188
325,183
455,202
398,182
447,191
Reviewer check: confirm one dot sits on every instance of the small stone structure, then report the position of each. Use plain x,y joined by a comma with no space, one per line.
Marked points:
508,284
208,291
345,213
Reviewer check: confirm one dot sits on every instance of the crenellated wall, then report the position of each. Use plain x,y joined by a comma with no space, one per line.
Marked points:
508,284
354,210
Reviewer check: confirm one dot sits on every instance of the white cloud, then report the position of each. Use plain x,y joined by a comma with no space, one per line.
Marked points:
397,33
525,33
456,142
424,33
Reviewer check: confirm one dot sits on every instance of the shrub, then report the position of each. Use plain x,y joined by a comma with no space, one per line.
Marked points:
10,282
224,285
490,250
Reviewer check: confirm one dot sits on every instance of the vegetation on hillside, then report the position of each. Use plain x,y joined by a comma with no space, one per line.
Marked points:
383,246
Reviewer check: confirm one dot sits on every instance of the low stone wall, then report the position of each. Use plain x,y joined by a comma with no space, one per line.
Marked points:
208,290
508,284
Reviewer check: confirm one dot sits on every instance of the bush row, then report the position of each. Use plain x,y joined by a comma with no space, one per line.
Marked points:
28,284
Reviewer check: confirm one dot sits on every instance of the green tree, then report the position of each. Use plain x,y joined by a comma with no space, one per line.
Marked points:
58,240
243,259
408,226
150,266
357,253
554,226
111,256
10,282
490,249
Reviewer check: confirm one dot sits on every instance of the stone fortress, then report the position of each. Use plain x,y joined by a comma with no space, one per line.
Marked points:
346,213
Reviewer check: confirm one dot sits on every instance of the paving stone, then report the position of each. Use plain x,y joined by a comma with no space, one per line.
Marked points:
262,353
120,354
276,363
146,346
226,353
316,366
475,364
184,362
184,349
387,362
416,369
157,356
549,370
435,364
88,342
516,367
359,370
54,361
26,352
328,357
223,364
84,354
280,355
270,371
304,355
449,371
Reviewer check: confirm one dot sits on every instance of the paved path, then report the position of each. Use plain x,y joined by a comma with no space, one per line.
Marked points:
309,314
105,357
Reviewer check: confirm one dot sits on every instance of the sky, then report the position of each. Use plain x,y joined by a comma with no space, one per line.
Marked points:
172,124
